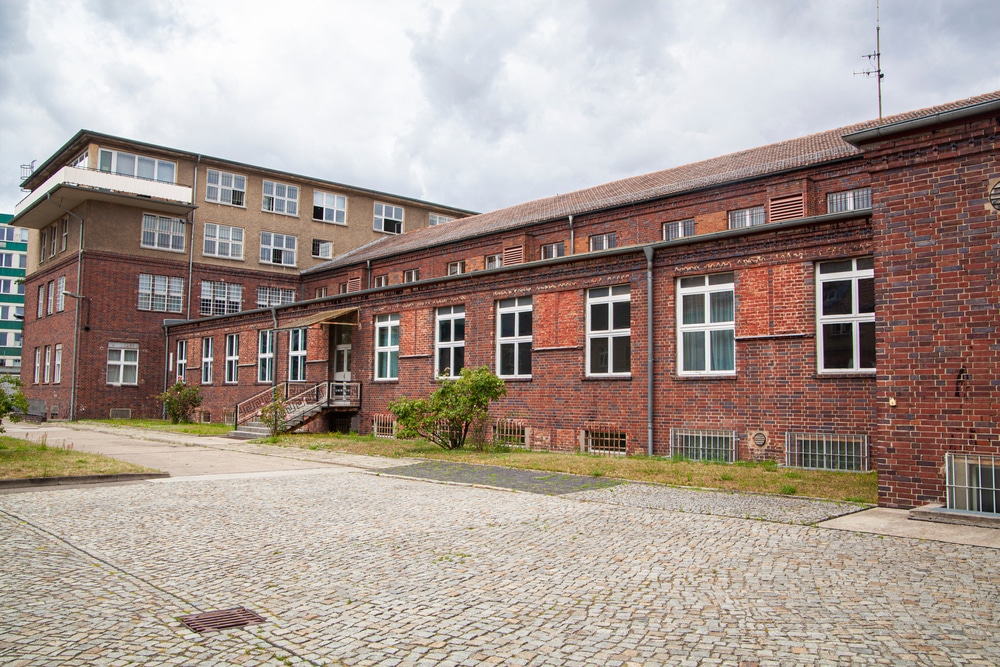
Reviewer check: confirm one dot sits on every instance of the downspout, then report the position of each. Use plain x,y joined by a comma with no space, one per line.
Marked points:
76,315
194,200
648,251
166,366
274,353
368,268
572,245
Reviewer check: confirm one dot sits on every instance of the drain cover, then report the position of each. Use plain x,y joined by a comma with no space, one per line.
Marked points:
208,621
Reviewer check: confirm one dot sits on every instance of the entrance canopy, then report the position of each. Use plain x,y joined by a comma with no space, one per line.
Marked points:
347,316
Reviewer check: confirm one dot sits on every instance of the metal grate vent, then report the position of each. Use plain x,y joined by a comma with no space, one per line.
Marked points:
121,413
210,621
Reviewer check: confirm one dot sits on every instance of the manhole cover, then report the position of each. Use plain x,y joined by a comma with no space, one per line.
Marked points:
208,621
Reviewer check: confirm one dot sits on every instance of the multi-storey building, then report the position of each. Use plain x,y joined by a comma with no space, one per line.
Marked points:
13,262
825,302
130,235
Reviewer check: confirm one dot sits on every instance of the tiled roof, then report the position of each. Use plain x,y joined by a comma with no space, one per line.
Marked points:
755,162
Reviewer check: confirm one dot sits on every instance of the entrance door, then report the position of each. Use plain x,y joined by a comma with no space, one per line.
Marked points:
342,358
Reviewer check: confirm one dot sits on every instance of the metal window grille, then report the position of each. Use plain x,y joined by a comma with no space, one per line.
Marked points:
703,445
384,425
973,482
827,451
510,432
849,200
608,443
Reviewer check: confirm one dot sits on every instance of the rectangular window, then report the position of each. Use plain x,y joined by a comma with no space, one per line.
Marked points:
746,217
182,360
678,230
265,356
207,359
139,166
387,347
342,288
7,259
827,451
163,233
972,482
277,249
849,200
456,268
609,330
553,250
232,358
123,363
41,246
53,236
603,241
280,198
80,161
322,249
297,355
223,241
57,365
494,261
161,293
50,306
438,219
41,300
63,234
703,445
220,298
329,207
845,303
411,275
38,365
274,296
388,219
514,337
706,329
450,341
61,294
225,188
607,442
380,281
48,364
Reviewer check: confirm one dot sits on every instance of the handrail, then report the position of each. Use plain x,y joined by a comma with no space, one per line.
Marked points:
307,398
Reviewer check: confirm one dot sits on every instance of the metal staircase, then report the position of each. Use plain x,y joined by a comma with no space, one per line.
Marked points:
302,404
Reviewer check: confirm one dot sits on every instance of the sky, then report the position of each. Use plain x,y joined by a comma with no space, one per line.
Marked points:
470,103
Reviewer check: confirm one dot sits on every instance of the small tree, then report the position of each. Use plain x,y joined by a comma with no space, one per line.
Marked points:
446,416
180,401
273,414
13,402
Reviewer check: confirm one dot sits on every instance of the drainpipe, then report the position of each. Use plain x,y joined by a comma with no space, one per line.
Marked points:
648,251
274,353
76,315
368,268
194,200
571,237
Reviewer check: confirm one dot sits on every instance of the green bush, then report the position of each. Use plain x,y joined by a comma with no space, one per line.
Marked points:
274,413
13,402
180,401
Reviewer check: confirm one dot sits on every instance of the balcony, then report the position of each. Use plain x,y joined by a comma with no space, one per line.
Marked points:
71,186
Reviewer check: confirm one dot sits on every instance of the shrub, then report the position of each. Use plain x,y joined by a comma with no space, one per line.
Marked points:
273,414
180,401
13,402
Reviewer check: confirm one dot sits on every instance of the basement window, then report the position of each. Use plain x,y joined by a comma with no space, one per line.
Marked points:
703,445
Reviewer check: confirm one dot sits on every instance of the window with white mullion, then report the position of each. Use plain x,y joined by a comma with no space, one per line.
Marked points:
388,219
609,331
163,294
123,363
280,198
182,356
845,307
220,298
387,347
297,355
849,200
225,188
277,249
265,355
514,337
207,360
450,341
330,207
223,241
138,166
274,296
232,358
747,217
706,325
163,233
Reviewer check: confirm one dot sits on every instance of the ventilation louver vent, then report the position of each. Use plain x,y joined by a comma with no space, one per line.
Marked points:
121,413
354,285
757,438
210,621
513,255
787,208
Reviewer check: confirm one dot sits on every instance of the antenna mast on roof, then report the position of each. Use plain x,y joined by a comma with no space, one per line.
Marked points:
877,59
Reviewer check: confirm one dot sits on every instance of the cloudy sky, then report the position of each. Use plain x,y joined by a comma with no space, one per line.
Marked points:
472,103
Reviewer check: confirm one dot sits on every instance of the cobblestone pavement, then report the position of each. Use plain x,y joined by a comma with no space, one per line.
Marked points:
353,568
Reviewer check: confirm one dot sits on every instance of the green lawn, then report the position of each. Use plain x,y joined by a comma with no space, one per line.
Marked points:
164,425
21,459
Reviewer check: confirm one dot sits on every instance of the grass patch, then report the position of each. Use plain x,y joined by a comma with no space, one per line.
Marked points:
22,459
764,477
164,425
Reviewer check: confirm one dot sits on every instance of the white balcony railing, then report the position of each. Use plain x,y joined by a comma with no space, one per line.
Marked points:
101,180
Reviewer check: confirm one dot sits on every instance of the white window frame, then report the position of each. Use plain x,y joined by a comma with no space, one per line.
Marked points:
553,250
280,198
117,162
279,249
63,235
38,366
223,187
517,313
449,341
222,298
265,355
181,374
436,219
61,294
861,269
207,359
51,303
232,359
604,241
380,281
456,268
121,358
48,364
274,296
849,200
163,233
706,289
57,364
297,350
387,347
611,298
41,300
162,294
494,261
390,213
329,207
223,241
747,217
411,275
679,229
322,249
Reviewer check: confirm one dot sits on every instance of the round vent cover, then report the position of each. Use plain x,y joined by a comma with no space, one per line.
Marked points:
995,196
759,438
